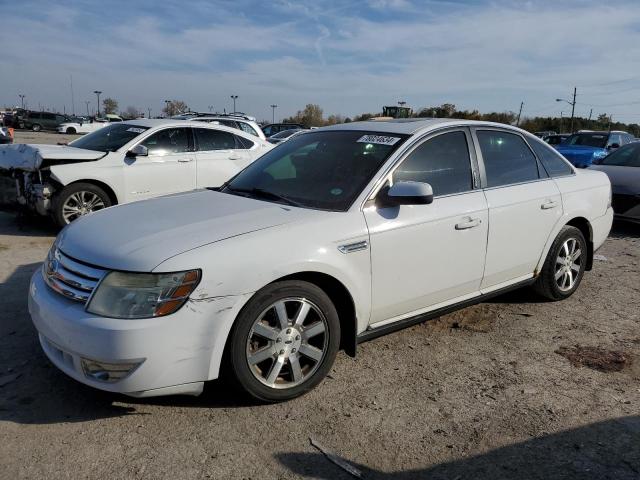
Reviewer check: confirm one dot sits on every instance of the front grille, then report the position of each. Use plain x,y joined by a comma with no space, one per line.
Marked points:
68,277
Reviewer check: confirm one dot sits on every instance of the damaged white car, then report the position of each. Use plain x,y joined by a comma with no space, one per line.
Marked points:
125,162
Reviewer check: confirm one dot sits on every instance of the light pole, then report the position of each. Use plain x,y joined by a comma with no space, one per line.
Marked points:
149,110
273,113
561,117
573,106
166,107
98,92
87,102
519,113
22,100
234,97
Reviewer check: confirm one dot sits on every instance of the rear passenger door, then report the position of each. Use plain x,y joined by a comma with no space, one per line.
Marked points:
524,206
219,156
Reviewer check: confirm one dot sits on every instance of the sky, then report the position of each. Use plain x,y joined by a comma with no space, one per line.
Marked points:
349,57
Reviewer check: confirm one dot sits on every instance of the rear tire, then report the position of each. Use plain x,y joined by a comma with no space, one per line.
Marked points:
36,127
78,199
71,130
284,341
564,266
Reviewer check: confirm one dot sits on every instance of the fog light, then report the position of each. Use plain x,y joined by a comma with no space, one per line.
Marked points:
107,372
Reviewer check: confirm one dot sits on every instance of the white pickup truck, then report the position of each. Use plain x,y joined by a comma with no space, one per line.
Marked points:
124,162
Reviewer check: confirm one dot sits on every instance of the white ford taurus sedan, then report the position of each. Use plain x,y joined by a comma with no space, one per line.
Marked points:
332,238
124,162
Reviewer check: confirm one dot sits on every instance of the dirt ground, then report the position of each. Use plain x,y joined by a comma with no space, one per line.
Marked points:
499,390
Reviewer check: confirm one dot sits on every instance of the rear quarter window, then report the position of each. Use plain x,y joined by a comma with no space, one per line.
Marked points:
551,160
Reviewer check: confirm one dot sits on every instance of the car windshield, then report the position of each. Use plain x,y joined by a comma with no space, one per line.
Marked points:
109,138
324,170
627,156
598,140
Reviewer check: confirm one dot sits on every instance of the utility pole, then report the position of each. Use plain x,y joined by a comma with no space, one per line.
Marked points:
166,106
234,97
573,105
22,100
98,92
519,113
149,110
561,116
87,102
273,113
73,104
590,113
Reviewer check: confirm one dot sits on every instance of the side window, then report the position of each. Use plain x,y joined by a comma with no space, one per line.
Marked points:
267,130
209,139
243,143
169,140
551,160
507,158
48,116
248,128
614,138
442,161
229,123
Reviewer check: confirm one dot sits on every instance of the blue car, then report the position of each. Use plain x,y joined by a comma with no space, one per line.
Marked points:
582,148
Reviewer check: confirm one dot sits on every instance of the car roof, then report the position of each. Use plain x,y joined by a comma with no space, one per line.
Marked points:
218,117
160,122
410,126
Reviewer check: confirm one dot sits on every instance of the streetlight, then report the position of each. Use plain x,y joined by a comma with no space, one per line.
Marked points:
166,107
273,113
22,100
573,106
234,102
149,110
87,102
98,92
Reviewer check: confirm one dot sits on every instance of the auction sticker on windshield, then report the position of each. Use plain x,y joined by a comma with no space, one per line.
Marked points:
379,139
135,130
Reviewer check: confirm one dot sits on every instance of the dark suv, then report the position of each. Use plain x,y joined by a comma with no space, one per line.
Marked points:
274,128
37,121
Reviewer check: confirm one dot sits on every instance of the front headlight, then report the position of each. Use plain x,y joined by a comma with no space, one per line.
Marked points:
142,295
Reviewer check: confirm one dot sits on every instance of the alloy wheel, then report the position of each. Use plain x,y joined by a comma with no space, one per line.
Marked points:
287,343
79,204
568,264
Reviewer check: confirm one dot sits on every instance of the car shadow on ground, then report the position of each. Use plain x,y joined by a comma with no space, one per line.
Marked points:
19,223
624,229
605,450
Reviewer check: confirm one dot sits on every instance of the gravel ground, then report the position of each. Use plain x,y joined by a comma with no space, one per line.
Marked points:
478,394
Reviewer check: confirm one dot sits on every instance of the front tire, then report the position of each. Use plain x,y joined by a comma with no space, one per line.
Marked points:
284,341
36,128
78,199
71,130
564,266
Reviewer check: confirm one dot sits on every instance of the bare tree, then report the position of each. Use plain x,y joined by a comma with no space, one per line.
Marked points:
132,113
109,105
175,107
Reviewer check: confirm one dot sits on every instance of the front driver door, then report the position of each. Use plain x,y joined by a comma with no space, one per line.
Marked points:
169,168
427,256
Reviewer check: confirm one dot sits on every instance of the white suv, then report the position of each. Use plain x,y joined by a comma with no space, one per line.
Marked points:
244,123
335,237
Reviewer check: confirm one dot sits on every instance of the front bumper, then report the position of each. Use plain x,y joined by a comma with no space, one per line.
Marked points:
171,355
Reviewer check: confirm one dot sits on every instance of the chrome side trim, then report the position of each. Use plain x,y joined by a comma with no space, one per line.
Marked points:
354,247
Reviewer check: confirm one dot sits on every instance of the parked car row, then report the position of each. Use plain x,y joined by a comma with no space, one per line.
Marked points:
288,253
87,125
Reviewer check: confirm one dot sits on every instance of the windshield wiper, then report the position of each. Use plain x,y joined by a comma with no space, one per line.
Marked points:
259,192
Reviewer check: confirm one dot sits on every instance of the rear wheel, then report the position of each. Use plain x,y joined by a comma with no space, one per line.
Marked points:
78,199
564,266
284,341
71,130
36,127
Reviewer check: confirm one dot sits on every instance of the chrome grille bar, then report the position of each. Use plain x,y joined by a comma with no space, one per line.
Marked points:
71,278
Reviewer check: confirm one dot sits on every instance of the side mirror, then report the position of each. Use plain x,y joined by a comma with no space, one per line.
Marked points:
405,193
138,151
613,146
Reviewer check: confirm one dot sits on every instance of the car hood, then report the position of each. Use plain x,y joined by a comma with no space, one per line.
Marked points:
624,180
139,236
30,157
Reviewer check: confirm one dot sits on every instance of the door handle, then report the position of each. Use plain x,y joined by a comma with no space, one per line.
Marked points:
185,160
549,204
468,223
